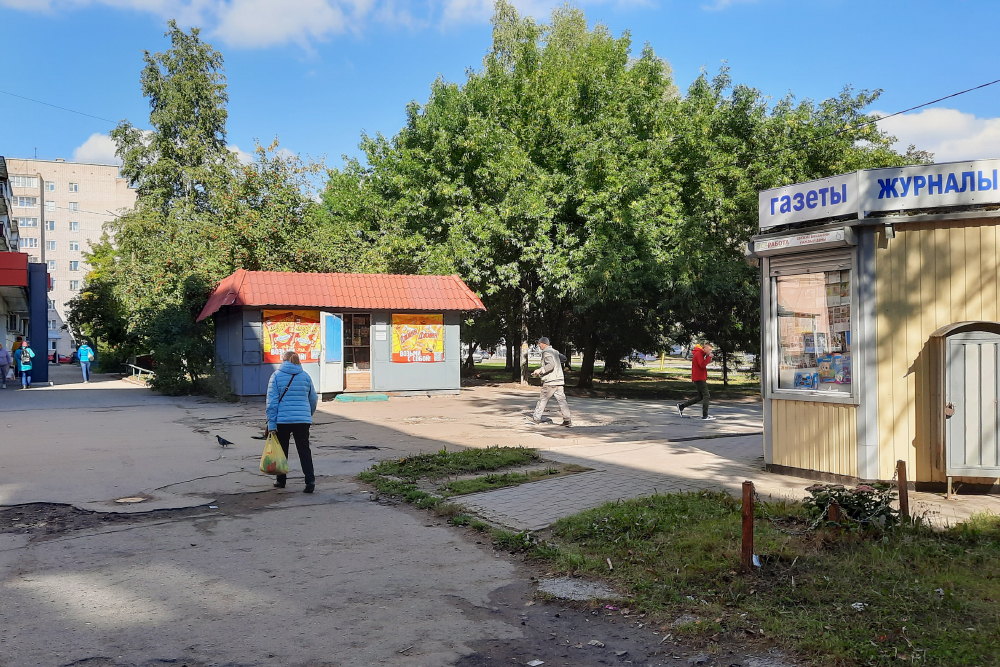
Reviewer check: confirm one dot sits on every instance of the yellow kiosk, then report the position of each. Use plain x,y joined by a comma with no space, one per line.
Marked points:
880,325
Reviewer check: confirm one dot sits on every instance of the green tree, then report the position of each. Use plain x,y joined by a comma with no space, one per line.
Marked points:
540,180
199,216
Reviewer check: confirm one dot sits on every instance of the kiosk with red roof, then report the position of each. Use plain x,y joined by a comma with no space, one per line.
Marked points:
353,332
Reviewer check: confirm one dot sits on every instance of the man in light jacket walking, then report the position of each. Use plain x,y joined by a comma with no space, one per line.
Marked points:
553,382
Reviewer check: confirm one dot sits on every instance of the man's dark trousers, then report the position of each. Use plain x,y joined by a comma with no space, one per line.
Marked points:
703,396
301,434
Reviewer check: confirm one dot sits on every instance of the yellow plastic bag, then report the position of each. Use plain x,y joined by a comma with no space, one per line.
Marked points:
273,462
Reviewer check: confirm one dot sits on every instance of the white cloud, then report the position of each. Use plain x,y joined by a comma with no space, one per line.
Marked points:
98,148
241,155
719,5
949,134
264,23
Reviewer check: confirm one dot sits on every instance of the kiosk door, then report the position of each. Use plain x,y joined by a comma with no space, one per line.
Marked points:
331,367
973,422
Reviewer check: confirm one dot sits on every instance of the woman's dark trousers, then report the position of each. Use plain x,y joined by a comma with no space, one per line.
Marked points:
301,434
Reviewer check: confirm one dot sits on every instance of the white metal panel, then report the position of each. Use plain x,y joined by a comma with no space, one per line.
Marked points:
972,374
331,360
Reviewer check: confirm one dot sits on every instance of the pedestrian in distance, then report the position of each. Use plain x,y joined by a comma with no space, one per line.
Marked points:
86,355
23,358
701,357
553,381
6,361
291,402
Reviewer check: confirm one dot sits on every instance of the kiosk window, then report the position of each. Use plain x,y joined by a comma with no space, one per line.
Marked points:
814,331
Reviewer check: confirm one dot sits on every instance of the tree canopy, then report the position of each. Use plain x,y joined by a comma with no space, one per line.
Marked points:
571,185
567,181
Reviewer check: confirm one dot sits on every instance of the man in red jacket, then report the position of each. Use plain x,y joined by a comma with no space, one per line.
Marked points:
701,357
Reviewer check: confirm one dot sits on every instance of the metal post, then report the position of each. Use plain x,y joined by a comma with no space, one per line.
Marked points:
834,513
901,486
746,555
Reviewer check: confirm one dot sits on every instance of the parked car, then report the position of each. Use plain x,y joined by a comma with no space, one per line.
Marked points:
479,357
63,359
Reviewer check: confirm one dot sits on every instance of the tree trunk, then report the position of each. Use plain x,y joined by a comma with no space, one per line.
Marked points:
587,367
469,363
524,339
725,368
509,349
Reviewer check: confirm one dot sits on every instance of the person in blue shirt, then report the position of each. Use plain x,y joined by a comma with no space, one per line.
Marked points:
85,354
23,359
291,402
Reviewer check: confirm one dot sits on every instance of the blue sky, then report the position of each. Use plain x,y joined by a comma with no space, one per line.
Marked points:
315,73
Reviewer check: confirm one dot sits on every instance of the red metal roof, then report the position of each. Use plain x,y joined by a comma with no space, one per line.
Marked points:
349,291
13,269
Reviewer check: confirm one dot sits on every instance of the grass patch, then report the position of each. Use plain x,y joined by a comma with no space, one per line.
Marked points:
845,598
495,481
642,381
444,463
398,478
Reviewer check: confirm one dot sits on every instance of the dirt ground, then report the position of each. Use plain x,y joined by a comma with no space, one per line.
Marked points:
509,624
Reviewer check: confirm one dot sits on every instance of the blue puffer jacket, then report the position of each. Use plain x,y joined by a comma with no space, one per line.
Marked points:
299,402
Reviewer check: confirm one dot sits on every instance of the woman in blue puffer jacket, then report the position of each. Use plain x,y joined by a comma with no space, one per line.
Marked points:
291,402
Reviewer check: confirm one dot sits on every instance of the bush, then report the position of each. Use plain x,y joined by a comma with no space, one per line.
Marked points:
865,504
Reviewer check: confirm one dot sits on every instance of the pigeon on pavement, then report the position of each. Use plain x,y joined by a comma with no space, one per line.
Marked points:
223,441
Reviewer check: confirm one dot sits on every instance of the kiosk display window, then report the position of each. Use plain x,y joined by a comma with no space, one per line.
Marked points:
814,331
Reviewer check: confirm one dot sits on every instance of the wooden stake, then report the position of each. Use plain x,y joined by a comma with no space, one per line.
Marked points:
904,495
834,514
746,556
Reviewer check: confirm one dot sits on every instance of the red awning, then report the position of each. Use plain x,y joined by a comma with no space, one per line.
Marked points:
347,291
13,269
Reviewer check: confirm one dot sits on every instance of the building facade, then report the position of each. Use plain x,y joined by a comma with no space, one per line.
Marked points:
59,208
354,333
880,322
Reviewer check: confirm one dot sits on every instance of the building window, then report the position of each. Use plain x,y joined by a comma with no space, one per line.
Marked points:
28,242
50,225
74,226
26,222
74,265
52,304
25,202
53,281
50,245
74,206
74,285
50,186
53,344
53,325
50,206
74,245
52,264
814,331
24,181
74,187
34,259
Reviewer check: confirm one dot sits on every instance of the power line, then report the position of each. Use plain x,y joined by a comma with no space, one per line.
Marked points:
856,126
56,106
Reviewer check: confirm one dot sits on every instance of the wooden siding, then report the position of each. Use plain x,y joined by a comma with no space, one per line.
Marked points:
929,276
815,436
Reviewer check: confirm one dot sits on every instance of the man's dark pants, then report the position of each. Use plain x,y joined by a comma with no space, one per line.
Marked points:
703,395
301,434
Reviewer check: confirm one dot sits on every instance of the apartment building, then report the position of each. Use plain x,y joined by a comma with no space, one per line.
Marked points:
13,280
59,208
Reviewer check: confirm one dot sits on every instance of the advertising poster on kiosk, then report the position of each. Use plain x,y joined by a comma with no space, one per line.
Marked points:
417,338
294,330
